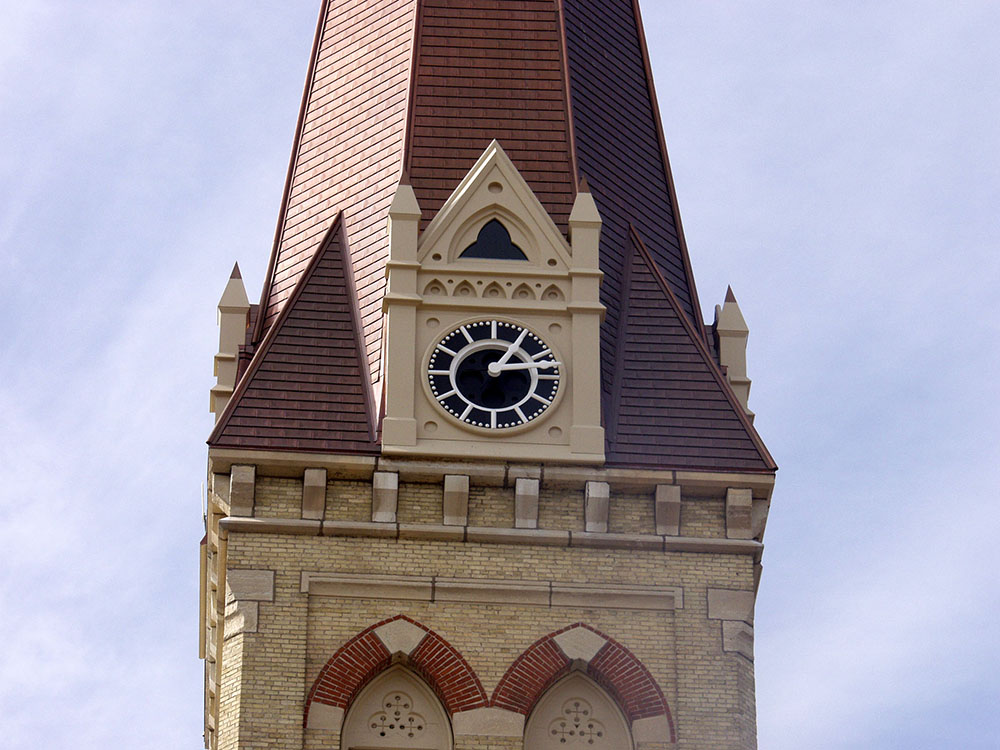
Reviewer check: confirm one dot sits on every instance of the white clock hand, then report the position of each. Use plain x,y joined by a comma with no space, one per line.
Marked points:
495,368
510,350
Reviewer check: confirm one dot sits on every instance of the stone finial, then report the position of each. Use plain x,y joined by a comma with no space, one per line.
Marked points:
585,230
234,312
732,332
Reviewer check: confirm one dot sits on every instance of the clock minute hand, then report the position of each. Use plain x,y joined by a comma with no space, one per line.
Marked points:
495,368
511,349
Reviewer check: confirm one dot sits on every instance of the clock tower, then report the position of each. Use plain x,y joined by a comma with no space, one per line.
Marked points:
481,475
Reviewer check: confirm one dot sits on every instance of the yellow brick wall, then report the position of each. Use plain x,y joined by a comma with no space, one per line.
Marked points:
268,674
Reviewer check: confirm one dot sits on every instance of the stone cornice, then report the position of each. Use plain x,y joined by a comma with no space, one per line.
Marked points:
489,473
490,535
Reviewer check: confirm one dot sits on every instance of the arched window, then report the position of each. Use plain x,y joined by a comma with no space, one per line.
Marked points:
494,242
577,713
396,710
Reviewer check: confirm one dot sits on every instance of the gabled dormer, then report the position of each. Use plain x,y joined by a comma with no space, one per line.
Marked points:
493,324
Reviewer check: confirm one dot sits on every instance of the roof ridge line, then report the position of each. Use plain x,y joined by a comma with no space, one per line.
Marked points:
700,345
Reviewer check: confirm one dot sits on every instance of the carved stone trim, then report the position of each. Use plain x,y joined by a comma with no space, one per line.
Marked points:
491,535
490,591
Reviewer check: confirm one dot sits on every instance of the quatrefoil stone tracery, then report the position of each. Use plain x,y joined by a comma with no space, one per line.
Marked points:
397,717
576,724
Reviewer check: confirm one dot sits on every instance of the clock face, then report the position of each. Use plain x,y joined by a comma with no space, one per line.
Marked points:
493,374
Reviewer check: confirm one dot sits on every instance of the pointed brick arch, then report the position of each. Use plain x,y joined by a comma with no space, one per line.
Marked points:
365,656
613,667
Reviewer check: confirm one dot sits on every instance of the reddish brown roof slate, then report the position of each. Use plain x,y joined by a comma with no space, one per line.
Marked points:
484,71
565,87
672,408
620,151
347,153
306,388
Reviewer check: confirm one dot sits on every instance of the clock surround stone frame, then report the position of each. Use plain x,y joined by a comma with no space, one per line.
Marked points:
555,293
485,431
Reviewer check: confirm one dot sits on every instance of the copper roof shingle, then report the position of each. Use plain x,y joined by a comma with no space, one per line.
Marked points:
307,386
672,407
401,89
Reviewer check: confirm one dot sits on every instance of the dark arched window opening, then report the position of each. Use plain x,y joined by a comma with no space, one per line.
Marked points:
494,243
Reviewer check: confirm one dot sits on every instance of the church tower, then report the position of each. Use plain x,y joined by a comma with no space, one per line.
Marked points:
481,475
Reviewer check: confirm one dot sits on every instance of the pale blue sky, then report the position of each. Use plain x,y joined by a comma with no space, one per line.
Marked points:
836,162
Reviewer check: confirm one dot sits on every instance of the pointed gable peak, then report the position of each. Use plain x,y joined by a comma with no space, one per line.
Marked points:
234,297
494,189
670,406
730,297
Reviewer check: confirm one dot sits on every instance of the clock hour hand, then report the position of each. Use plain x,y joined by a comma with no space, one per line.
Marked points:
495,368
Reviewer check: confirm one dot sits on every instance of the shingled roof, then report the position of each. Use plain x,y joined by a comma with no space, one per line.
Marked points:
306,388
672,406
401,90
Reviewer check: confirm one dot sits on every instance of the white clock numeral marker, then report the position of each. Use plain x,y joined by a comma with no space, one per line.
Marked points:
465,333
439,372
543,399
449,394
548,377
445,349
493,419
493,329
520,414
538,356
466,412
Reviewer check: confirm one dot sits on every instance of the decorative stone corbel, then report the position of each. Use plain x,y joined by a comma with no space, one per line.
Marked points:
456,500
385,496
525,503
596,505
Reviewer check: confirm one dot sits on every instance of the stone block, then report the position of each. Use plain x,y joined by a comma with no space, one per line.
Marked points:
668,509
250,585
242,481
456,500
580,643
400,636
488,722
739,513
596,503
314,494
526,503
737,637
758,516
726,604
385,496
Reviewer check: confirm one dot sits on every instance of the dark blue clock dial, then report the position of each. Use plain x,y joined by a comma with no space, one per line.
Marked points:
493,374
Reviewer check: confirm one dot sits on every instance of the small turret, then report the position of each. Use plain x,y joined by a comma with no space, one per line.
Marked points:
234,312
731,333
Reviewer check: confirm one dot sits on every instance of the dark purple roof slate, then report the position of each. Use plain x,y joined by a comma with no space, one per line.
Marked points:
672,408
306,388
